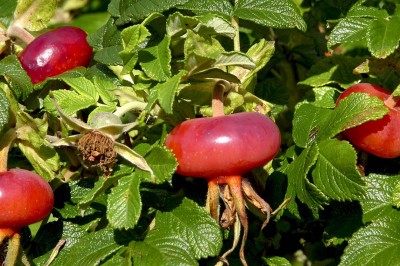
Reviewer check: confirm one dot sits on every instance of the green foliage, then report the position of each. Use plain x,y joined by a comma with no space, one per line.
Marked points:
34,14
179,238
12,70
380,240
156,64
4,106
371,25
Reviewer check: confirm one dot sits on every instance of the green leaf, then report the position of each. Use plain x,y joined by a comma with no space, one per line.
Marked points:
335,173
102,185
11,69
234,59
105,92
378,200
33,15
359,11
178,24
134,38
7,10
166,92
214,73
352,111
179,237
276,261
4,110
92,248
49,235
306,123
271,13
155,60
31,133
376,244
69,101
300,187
124,203
107,41
83,86
44,159
136,10
132,156
220,7
333,69
200,52
259,53
383,36
355,25
162,162
213,25
324,97
396,196
349,30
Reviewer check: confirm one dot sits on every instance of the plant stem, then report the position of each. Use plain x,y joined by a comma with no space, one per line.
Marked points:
14,245
236,38
5,144
131,106
20,33
218,99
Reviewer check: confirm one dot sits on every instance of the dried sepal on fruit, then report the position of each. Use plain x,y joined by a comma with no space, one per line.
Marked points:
98,146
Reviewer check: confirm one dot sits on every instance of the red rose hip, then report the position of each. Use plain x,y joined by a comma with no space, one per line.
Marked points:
55,52
221,149
25,198
378,137
224,145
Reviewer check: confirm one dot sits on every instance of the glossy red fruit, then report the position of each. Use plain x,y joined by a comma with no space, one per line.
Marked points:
55,52
25,198
379,137
224,145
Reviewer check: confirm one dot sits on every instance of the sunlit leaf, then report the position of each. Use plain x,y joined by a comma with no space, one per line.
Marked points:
380,240
300,187
34,14
179,238
335,173
378,200
124,204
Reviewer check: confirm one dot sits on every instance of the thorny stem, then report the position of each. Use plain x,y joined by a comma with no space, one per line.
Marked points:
5,145
235,186
14,245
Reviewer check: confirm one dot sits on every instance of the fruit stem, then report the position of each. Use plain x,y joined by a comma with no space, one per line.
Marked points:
20,33
14,245
218,99
5,144
235,186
